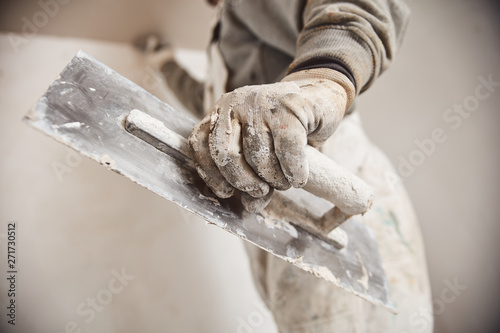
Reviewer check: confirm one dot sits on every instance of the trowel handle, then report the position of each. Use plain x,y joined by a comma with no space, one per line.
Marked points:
330,181
327,179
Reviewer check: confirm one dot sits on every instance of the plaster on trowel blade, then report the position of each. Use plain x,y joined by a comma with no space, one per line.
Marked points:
98,99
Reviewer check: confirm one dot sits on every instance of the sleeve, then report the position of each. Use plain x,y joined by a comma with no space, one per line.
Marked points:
358,38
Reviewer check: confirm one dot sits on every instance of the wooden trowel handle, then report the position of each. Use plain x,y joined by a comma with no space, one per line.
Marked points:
327,179
330,181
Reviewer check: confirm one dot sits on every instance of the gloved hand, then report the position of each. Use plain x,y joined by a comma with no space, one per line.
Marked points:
254,137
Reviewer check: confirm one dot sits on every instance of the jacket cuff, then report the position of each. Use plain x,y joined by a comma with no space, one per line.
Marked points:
329,74
337,47
325,62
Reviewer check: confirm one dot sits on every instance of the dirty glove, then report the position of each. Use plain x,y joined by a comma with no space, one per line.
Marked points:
254,137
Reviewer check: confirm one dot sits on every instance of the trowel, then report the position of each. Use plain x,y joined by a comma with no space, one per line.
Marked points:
113,121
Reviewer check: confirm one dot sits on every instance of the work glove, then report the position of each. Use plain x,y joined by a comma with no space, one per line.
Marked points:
253,138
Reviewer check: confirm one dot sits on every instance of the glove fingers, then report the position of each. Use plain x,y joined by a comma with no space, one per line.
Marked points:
226,151
208,171
255,205
258,148
290,140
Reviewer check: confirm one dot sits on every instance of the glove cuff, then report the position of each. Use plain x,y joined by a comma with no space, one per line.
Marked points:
329,74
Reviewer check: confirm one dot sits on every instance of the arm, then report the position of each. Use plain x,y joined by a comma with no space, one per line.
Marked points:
254,138
358,38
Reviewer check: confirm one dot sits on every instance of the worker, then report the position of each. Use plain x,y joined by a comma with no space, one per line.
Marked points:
284,74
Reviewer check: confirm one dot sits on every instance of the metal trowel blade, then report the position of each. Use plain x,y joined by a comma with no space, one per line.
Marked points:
85,108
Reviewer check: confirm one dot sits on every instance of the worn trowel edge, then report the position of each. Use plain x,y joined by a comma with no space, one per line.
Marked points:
73,136
38,111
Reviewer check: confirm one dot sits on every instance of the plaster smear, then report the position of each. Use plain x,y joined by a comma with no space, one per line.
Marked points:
319,271
215,201
273,223
73,125
364,279
106,160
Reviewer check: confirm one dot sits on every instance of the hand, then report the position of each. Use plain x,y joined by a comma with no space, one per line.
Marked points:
254,137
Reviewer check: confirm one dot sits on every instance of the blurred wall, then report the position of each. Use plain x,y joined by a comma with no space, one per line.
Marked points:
451,49
96,252
183,22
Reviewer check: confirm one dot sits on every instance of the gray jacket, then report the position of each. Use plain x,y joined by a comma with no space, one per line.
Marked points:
263,40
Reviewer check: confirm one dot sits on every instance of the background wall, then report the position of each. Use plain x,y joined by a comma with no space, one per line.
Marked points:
451,47
80,229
